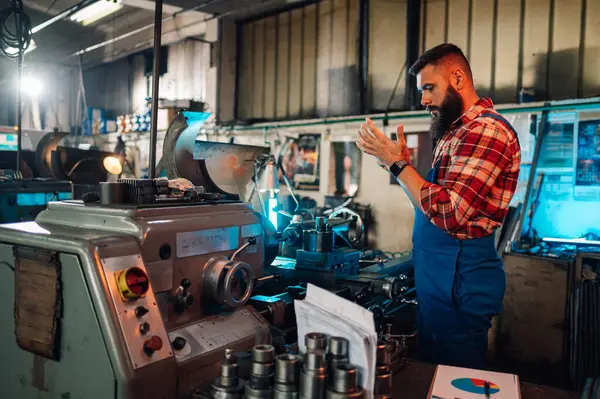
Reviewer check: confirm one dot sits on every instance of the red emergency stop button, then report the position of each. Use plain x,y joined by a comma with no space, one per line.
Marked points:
152,345
132,283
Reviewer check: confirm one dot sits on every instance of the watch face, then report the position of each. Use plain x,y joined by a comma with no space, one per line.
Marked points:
397,167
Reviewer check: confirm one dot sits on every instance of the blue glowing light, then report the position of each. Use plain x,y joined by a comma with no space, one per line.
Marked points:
272,212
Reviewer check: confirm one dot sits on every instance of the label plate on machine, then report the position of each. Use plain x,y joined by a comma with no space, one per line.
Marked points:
217,332
201,242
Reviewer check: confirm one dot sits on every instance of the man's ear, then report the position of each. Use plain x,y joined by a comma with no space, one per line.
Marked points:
458,79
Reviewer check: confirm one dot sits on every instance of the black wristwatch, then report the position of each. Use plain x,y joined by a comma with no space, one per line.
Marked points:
398,167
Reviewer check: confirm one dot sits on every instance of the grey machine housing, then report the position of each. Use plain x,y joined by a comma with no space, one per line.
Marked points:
130,301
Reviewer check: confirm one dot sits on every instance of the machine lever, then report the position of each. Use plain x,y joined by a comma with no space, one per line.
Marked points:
183,297
251,241
372,262
403,337
274,276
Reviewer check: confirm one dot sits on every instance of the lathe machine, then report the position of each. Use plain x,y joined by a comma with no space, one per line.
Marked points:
137,293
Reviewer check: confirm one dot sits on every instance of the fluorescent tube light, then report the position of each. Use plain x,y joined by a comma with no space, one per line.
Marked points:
96,11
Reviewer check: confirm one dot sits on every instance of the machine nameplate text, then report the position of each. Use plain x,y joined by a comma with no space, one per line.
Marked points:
201,242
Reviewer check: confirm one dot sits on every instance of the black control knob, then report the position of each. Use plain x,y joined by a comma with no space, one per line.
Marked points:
144,328
186,283
179,343
188,300
140,311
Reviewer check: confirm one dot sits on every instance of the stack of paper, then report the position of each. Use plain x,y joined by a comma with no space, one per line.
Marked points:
462,383
324,312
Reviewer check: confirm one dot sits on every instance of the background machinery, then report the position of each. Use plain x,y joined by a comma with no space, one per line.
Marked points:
138,291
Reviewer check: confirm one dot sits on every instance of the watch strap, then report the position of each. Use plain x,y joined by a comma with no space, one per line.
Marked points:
397,167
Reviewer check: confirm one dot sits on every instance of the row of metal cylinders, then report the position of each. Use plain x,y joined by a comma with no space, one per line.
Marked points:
324,372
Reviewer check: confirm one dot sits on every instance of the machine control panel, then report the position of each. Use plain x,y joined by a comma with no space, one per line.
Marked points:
133,283
137,311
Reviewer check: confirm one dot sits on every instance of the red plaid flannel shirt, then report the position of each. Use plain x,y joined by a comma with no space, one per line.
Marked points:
479,168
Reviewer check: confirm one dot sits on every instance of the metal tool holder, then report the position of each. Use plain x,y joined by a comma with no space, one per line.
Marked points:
324,372
262,375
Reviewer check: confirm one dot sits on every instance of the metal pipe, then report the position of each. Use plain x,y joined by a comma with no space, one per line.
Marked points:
494,49
550,48
155,84
521,46
542,131
469,28
289,65
548,106
413,17
582,43
363,53
19,104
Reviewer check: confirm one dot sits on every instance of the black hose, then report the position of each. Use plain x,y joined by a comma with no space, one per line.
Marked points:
15,37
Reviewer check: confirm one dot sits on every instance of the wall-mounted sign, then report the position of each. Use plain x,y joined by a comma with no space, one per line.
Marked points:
587,165
301,162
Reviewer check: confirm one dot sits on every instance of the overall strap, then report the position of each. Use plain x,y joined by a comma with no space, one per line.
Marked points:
502,121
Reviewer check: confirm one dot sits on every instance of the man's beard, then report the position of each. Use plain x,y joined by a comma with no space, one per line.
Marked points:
448,112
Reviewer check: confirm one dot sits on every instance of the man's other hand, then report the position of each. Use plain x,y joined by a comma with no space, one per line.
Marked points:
372,141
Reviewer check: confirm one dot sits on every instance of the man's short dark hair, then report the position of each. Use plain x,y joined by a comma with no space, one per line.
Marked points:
436,55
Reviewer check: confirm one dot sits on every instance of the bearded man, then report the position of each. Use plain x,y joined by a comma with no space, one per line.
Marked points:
459,276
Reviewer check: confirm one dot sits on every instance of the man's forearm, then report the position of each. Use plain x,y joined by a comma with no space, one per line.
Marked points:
411,182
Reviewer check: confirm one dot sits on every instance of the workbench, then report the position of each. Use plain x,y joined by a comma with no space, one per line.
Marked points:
414,380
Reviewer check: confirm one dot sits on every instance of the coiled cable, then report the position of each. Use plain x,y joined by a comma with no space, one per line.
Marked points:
15,37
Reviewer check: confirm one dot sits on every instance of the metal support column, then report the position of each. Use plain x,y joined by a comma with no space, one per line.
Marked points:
363,51
19,106
155,84
413,18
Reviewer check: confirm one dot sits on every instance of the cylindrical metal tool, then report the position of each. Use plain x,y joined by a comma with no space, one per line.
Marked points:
287,376
313,378
383,355
321,239
228,385
383,374
315,340
345,383
112,193
383,383
263,371
337,354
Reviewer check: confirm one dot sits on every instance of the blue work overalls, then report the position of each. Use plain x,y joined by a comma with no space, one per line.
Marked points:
460,285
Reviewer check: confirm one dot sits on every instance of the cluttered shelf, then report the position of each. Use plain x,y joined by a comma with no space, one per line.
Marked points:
414,382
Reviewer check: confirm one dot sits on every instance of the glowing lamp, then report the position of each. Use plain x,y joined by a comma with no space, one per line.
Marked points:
112,165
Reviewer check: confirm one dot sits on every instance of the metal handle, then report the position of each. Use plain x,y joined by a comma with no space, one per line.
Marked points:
251,241
388,334
360,228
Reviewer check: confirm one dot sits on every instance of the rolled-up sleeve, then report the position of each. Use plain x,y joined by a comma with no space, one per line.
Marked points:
476,162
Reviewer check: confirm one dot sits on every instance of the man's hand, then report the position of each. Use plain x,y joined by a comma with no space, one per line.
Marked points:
387,151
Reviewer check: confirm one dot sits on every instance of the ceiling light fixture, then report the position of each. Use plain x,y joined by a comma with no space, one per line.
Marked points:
96,11
13,51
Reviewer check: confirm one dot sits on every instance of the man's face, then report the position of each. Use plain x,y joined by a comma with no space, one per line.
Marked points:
440,98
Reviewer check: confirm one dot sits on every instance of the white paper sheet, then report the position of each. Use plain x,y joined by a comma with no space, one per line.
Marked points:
325,312
462,383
